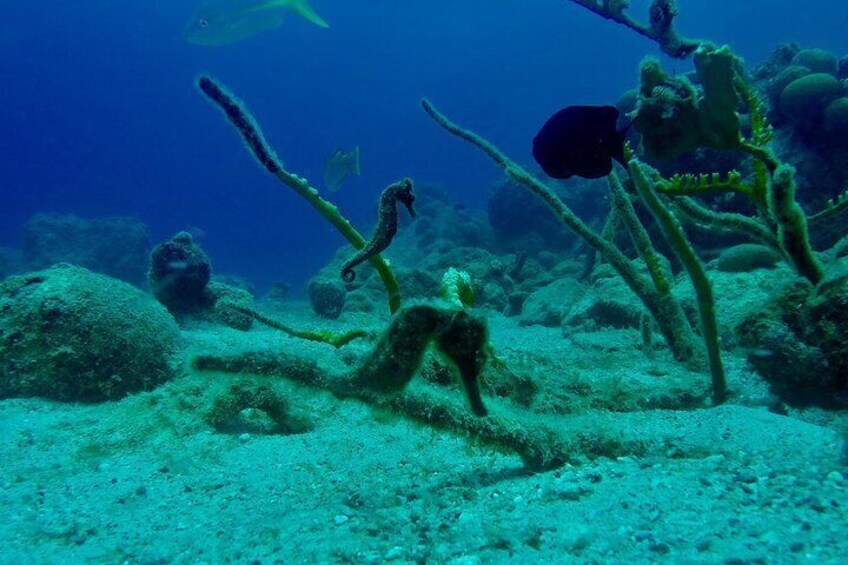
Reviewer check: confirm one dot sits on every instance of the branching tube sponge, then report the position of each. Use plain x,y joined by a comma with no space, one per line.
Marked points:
248,128
674,234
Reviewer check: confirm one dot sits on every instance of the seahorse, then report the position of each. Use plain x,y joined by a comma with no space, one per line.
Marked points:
387,225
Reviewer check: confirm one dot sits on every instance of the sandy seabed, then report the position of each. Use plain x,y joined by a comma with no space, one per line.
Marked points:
145,481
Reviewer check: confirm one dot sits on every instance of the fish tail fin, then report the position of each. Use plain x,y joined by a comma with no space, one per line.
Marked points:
356,170
305,11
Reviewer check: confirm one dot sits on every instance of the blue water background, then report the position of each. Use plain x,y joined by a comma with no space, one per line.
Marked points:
99,115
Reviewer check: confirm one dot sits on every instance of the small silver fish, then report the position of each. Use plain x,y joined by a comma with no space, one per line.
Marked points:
220,22
338,166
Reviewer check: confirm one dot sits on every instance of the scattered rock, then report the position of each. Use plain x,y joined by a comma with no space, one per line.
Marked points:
817,60
327,297
746,258
550,304
226,300
179,272
804,100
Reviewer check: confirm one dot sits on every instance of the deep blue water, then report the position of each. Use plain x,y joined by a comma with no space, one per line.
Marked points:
99,115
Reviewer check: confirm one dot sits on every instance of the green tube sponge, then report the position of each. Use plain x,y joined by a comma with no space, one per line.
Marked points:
248,128
663,307
676,237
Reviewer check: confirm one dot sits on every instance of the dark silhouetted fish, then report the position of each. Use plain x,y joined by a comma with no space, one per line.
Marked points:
338,165
581,141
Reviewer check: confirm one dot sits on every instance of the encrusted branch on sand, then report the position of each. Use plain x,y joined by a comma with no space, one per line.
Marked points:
540,447
321,336
660,26
383,377
251,134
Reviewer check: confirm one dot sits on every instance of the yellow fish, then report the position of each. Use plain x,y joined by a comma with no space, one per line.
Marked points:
219,22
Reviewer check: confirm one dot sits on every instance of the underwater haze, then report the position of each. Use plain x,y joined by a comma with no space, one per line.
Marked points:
457,281
100,116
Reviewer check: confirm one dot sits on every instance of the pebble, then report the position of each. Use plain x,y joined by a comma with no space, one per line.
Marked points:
661,548
340,519
244,438
749,488
745,478
465,560
394,553
571,492
643,535
836,477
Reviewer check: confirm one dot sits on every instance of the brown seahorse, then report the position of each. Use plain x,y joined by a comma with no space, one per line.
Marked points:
387,225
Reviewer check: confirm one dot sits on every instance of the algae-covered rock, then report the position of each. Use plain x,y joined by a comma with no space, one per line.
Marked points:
72,335
415,283
784,78
279,292
747,257
179,273
515,213
257,409
817,60
226,301
804,100
799,340
607,304
327,297
548,305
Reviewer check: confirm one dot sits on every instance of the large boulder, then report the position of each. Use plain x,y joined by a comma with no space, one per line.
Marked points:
72,335
112,246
